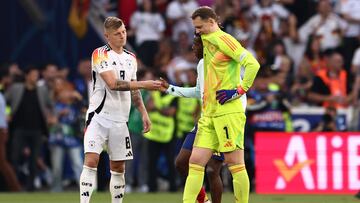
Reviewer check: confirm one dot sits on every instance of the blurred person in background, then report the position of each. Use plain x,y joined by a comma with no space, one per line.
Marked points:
6,169
325,25
270,11
148,26
225,8
15,73
83,80
330,86
114,88
349,10
328,121
269,109
31,111
178,14
164,55
183,60
64,136
49,73
280,65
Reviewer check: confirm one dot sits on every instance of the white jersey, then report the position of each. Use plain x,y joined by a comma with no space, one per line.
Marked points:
105,103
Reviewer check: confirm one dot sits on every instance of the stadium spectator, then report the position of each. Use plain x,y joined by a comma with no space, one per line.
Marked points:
225,9
328,122
64,135
49,73
164,56
31,111
82,82
330,86
148,26
313,60
178,15
350,11
270,11
326,25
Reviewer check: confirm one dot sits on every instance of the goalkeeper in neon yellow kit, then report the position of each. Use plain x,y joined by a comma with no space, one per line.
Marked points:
221,126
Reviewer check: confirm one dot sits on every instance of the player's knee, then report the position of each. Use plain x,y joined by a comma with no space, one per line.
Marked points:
91,160
117,166
236,157
91,163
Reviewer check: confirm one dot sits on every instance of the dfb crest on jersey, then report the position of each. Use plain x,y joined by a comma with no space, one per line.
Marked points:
128,62
103,64
92,144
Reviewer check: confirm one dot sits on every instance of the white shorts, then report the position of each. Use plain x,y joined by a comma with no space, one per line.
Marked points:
108,135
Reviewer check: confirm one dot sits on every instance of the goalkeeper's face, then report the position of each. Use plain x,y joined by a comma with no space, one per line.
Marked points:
204,26
116,37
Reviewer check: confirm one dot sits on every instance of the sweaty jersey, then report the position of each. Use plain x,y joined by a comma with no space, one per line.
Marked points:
109,104
223,59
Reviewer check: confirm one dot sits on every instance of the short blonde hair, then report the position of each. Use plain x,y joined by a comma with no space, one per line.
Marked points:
112,23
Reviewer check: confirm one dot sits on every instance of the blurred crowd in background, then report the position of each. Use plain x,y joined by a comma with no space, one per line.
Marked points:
308,50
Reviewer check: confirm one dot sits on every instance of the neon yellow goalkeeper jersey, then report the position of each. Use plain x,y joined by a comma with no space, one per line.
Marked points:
223,59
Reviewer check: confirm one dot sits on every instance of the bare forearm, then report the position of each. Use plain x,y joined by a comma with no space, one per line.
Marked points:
137,101
121,85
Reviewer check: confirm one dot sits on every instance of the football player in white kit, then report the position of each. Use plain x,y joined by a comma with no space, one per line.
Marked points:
114,87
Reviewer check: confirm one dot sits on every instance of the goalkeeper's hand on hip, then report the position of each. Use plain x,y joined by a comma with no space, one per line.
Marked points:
224,96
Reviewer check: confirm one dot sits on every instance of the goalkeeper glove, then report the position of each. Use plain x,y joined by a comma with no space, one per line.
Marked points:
224,96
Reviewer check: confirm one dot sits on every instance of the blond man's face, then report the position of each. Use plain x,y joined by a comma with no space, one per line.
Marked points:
116,37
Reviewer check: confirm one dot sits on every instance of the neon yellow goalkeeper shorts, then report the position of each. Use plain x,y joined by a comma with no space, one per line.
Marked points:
222,134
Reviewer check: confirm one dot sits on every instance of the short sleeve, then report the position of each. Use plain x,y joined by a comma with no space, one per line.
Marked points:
100,60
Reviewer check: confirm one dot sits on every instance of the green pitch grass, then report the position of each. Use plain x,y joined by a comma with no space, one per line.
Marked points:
72,197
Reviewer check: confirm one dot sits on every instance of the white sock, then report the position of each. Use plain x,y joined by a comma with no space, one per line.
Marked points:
117,186
87,183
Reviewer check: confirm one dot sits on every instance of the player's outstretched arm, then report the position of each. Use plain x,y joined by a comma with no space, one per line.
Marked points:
189,92
119,85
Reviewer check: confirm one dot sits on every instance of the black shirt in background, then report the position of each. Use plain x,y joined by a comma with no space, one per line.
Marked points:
29,115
